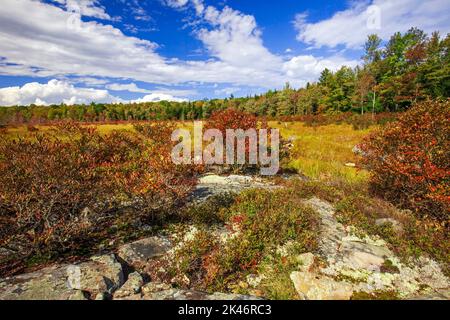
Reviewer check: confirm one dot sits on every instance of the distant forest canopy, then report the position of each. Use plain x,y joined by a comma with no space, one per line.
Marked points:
411,67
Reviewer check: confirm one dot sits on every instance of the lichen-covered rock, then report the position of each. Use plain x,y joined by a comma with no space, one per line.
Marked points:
212,184
103,274
175,294
226,180
311,286
46,284
101,296
138,253
153,287
306,260
434,295
131,287
254,280
365,261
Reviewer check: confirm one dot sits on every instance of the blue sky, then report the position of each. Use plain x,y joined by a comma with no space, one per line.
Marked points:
78,51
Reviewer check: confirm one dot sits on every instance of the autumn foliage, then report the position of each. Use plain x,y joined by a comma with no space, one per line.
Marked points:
60,186
234,119
410,160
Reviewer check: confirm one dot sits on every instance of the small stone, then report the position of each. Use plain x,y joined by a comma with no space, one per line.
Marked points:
350,165
78,296
243,285
181,279
236,179
213,179
175,294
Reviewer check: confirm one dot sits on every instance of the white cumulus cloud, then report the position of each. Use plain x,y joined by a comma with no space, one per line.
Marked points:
53,92
383,17
157,97
130,87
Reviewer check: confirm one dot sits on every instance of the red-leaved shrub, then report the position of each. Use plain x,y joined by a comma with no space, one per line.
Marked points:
410,160
231,118
59,186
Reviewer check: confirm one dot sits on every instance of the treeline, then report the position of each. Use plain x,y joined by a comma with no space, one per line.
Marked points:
411,67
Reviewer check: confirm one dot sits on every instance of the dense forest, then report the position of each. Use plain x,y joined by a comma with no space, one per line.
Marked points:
411,67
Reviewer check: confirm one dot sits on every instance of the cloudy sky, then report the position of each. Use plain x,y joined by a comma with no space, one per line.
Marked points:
78,51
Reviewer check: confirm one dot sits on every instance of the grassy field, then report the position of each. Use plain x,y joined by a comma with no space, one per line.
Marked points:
319,152
323,152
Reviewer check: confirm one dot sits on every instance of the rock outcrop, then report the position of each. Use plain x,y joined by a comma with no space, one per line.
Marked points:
100,275
46,284
347,262
356,264
103,274
137,254
212,184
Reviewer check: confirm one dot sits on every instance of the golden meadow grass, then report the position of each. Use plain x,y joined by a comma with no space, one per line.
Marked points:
322,152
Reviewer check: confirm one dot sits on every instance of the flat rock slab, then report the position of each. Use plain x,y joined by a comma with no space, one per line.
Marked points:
311,286
212,184
46,284
361,258
138,253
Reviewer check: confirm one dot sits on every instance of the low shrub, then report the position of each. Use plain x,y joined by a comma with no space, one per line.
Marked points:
211,211
365,121
410,160
231,119
59,187
259,222
223,120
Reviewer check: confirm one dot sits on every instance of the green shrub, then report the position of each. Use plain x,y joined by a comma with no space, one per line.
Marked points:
211,211
259,222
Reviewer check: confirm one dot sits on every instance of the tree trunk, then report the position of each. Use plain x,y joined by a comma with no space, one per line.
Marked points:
373,104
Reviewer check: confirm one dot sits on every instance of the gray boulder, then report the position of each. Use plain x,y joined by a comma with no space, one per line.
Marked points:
103,274
138,253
